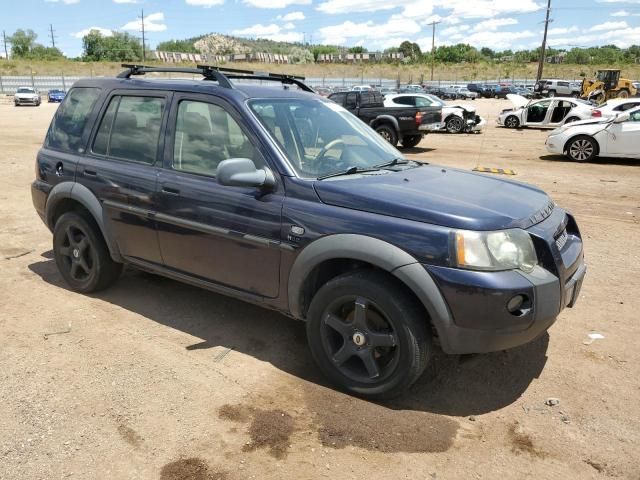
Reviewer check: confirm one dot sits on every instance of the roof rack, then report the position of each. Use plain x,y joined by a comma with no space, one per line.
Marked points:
219,74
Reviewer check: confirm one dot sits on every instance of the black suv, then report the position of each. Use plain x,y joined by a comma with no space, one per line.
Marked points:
282,198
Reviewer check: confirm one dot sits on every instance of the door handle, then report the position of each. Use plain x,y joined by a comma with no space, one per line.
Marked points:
90,173
170,191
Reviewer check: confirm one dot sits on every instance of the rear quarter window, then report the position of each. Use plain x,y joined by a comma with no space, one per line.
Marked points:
68,125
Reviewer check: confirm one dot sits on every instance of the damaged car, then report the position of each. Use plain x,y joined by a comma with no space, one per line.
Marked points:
547,112
456,117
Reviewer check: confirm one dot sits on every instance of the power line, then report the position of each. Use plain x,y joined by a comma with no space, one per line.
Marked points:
433,45
53,37
544,42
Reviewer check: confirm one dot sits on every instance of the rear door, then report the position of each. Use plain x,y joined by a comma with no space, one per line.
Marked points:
122,165
227,235
624,138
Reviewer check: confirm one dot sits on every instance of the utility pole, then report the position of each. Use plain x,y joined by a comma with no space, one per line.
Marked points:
433,45
544,43
144,53
53,37
4,39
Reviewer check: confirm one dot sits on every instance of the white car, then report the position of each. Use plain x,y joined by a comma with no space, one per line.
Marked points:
547,112
26,96
582,141
361,88
613,107
465,93
456,118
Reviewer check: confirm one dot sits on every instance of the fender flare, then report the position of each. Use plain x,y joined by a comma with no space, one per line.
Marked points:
84,196
385,118
383,255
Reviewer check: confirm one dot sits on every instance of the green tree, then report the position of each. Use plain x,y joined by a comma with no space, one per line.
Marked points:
40,52
487,53
183,46
357,49
410,49
318,50
116,47
22,41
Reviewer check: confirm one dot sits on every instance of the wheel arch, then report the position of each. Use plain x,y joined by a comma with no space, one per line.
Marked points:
70,196
382,119
341,252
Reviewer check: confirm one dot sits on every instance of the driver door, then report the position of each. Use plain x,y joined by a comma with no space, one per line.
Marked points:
227,235
538,112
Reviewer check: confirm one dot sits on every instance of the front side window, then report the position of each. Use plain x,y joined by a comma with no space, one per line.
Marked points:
321,138
130,129
67,127
205,136
422,102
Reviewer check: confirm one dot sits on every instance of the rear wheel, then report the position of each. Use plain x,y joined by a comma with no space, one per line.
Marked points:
624,93
388,133
368,335
455,124
551,94
512,122
411,141
582,149
81,254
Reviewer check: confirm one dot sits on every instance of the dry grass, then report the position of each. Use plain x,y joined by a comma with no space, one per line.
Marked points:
407,73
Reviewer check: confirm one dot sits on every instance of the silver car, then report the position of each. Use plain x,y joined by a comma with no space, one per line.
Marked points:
547,112
26,96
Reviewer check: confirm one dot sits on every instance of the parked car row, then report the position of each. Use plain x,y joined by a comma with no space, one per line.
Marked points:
30,96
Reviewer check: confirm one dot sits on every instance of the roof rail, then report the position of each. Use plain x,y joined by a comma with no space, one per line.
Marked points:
207,73
219,74
234,73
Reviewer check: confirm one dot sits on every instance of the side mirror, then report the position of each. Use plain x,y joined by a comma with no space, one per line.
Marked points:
623,117
242,172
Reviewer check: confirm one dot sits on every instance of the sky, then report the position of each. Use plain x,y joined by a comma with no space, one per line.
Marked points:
374,24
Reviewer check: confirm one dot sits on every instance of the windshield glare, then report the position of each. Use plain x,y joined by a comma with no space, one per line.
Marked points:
320,138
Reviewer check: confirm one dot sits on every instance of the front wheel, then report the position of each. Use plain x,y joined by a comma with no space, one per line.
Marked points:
81,254
624,93
368,335
455,125
411,141
512,122
388,133
551,93
582,149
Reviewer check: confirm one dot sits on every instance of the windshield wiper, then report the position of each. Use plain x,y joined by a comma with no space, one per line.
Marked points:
396,161
349,171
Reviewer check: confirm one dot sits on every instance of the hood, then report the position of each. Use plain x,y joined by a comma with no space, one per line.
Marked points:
440,196
464,106
26,94
518,100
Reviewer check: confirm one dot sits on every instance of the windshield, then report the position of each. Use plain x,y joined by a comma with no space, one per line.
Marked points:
321,138
26,90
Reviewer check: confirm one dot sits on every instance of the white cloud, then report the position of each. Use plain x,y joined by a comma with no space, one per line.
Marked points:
66,2
562,30
608,26
104,31
622,38
125,1
369,31
455,30
153,22
270,32
275,3
204,3
494,23
620,13
495,40
289,26
292,16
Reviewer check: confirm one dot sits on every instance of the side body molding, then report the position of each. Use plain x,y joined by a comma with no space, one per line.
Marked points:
376,252
84,196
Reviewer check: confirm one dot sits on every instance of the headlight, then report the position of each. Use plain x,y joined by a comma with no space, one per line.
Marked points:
501,250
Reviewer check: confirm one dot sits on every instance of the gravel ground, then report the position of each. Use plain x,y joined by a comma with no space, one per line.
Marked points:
154,379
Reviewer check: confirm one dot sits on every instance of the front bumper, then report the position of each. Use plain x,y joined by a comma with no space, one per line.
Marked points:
26,101
479,126
477,301
554,145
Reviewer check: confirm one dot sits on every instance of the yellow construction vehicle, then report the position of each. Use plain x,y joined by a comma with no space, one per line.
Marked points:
606,85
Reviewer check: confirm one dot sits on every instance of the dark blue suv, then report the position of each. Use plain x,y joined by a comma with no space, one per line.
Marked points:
282,198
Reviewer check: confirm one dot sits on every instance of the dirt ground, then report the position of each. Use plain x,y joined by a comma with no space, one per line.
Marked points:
153,379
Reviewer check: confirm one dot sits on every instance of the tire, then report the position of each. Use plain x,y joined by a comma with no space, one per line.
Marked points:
571,119
411,141
551,94
496,96
454,124
387,132
512,122
82,255
368,335
582,149
624,93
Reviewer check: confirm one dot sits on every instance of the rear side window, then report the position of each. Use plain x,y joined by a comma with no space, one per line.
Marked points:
130,129
65,132
404,101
